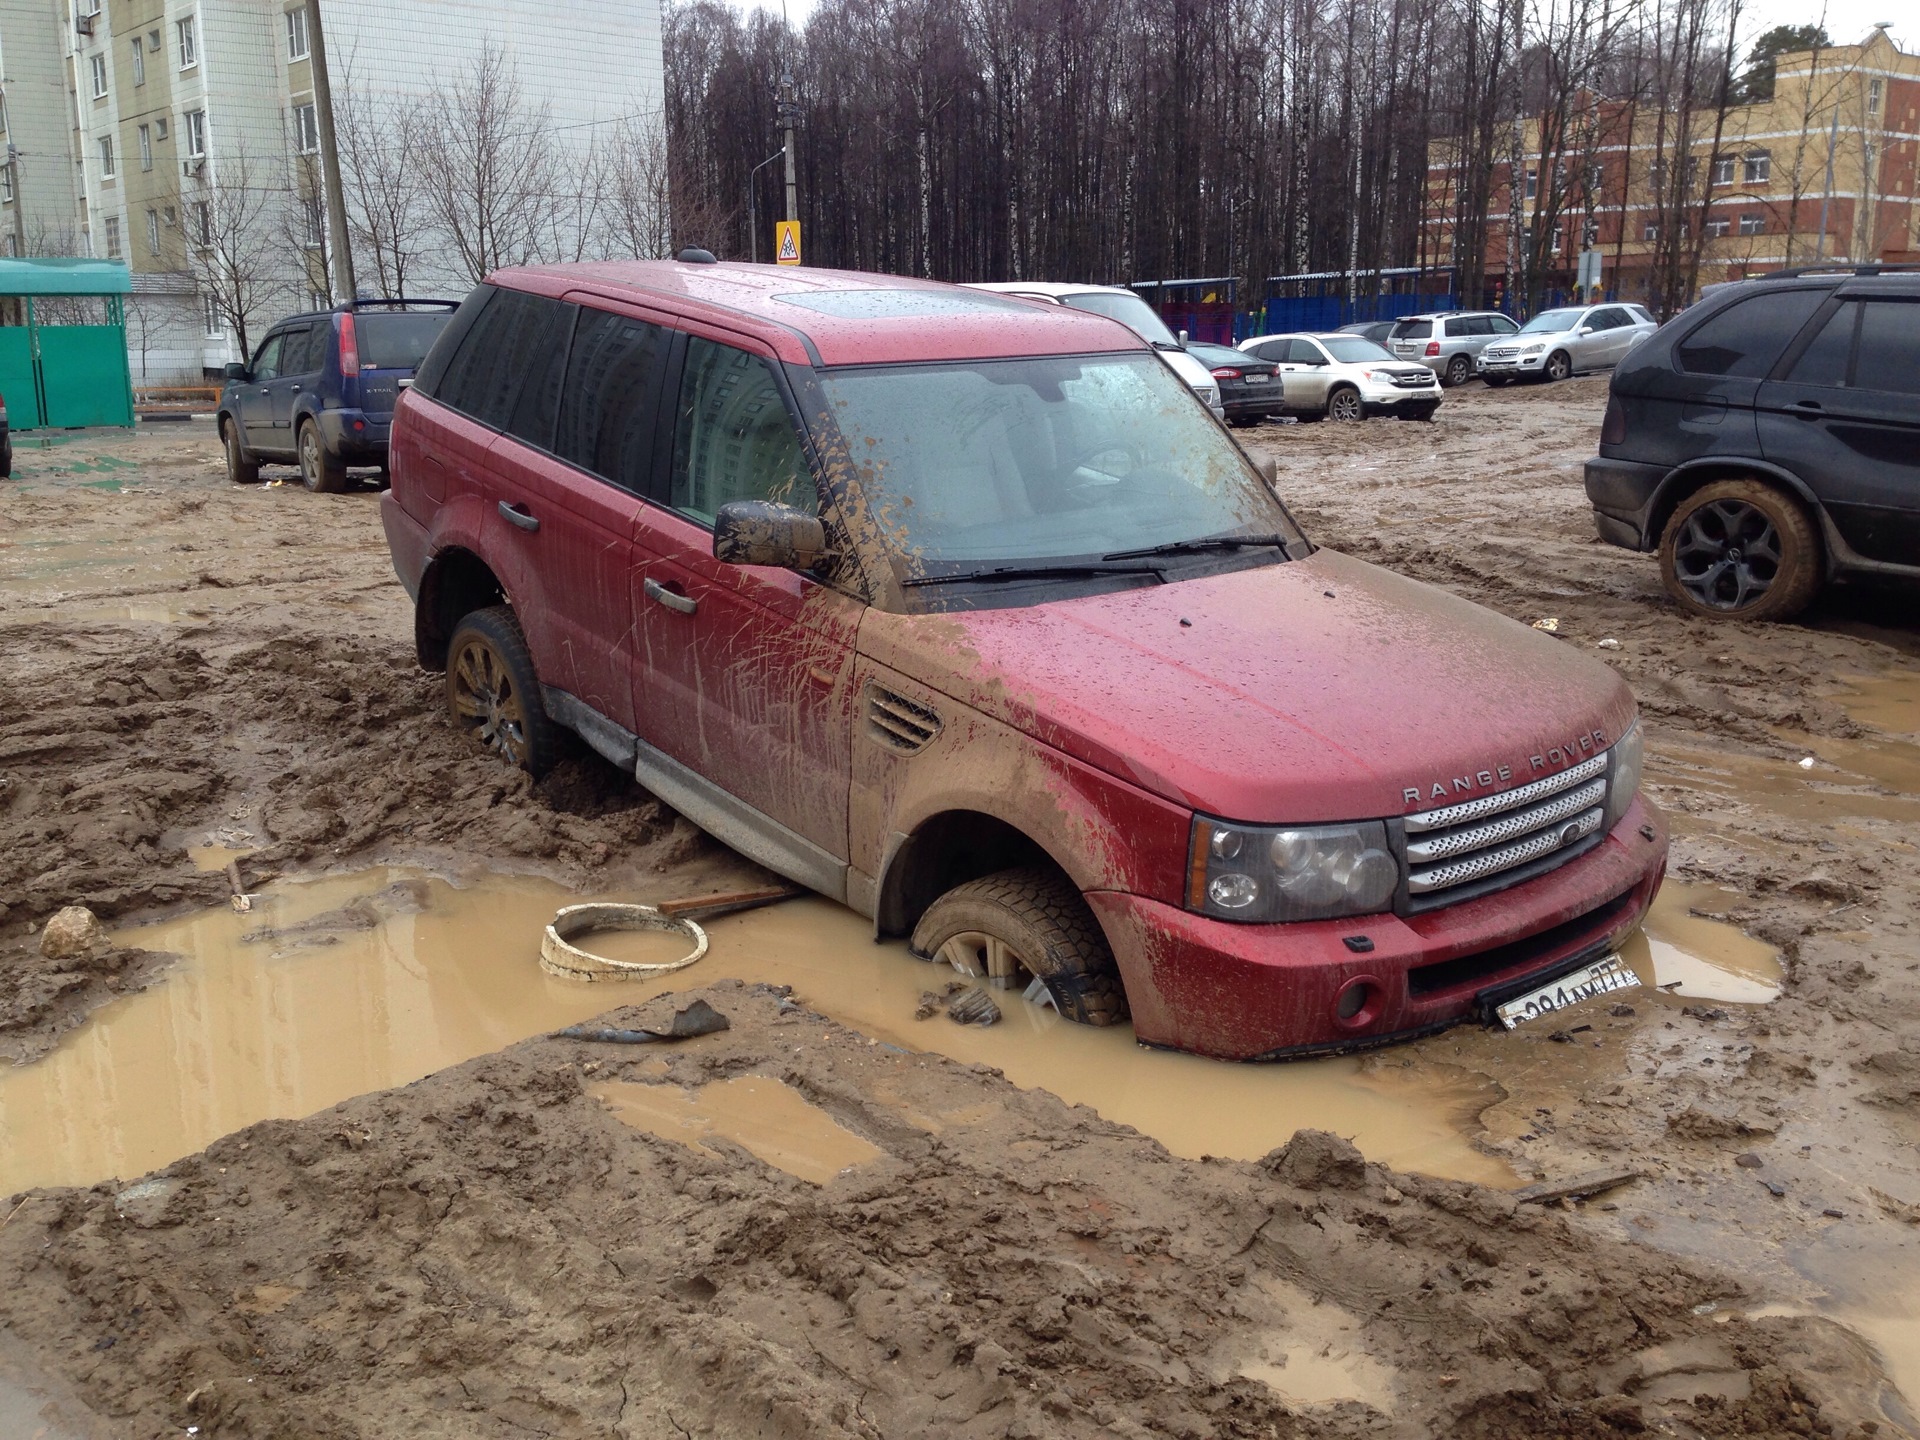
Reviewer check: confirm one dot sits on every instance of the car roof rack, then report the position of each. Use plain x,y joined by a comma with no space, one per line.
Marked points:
1876,267
397,300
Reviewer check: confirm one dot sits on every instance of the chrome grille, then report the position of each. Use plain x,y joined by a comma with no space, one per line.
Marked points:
1502,352
1476,839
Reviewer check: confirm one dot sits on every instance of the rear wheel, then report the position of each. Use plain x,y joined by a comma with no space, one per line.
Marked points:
240,470
1559,366
1741,549
493,693
322,473
1459,370
1344,404
1025,925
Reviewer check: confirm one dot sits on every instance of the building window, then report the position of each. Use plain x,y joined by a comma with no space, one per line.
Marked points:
139,62
106,157
1722,170
189,43
1650,231
146,147
1866,164
153,232
1756,169
316,222
6,184
1717,228
160,128
1533,183
113,237
1873,97
1559,239
98,65
202,223
214,325
153,42
1753,224
306,129
168,216
197,133
297,34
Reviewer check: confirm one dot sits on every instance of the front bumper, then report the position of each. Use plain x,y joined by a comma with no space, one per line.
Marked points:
1622,494
1394,397
1517,365
1259,992
354,435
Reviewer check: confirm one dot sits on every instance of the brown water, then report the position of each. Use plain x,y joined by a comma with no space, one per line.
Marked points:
772,1120
1889,702
1690,954
635,947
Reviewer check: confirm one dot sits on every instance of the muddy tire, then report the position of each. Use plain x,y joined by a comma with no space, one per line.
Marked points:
1459,371
1022,923
240,470
493,694
320,472
1559,366
1497,382
1741,550
1343,403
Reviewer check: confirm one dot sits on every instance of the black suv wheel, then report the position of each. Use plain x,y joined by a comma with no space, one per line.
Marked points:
1741,548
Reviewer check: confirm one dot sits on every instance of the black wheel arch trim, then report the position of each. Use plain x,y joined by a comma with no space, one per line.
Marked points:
1684,479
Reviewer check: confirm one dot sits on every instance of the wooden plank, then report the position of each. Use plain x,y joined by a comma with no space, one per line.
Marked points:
1592,1182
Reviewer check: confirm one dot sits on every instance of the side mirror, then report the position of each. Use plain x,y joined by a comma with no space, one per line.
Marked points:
766,532
1586,329
237,371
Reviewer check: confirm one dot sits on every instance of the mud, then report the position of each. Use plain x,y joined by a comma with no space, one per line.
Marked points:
198,668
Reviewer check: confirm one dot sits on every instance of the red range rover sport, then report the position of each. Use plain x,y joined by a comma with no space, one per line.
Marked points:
968,615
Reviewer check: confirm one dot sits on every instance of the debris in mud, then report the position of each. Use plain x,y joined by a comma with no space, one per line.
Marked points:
72,933
1747,1160
976,1007
1693,1123
697,1019
1316,1160
1551,624
1577,1187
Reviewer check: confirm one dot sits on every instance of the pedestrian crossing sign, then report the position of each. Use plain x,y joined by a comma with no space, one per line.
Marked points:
786,248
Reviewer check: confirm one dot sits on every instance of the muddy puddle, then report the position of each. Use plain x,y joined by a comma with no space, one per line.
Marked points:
760,1114
1889,702
1683,950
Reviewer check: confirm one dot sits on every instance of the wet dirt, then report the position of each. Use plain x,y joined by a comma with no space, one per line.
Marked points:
288,722
771,1121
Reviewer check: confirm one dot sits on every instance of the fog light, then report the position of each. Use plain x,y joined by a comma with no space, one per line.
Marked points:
1358,1003
1233,892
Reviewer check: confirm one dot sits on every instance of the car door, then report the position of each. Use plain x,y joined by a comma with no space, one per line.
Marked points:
1845,418
748,669
1305,383
1619,333
296,371
254,399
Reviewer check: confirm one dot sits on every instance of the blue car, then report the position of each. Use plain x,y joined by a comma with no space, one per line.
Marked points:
319,391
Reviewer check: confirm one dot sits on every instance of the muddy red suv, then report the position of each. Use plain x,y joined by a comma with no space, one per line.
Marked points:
967,614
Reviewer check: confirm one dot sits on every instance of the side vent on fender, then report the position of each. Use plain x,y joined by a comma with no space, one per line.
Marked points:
898,723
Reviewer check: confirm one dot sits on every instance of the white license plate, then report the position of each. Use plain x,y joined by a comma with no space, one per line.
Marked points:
1258,379
1599,978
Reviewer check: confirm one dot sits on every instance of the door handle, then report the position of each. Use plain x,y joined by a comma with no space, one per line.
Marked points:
519,517
1809,409
654,590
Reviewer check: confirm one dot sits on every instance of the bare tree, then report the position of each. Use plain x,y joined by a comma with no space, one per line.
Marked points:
303,226
487,159
383,173
234,245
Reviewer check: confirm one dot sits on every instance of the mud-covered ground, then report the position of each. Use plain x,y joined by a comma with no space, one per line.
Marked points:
490,1252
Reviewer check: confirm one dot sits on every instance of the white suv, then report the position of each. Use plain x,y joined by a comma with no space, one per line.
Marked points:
1557,343
1131,311
1345,377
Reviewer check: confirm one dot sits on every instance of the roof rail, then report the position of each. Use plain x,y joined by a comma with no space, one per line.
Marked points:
398,300
1866,268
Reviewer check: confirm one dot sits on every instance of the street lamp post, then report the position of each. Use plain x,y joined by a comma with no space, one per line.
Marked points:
753,216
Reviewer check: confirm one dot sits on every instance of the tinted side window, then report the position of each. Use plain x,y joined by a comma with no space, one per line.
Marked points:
1459,327
1412,329
1889,353
1825,361
1747,337
266,361
545,363
1502,325
1611,318
1275,350
732,436
484,379
1305,352
306,352
611,398
433,369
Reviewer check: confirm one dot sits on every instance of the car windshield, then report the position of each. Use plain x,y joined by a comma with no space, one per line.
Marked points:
1048,459
1413,329
1131,311
397,341
1353,350
1549,322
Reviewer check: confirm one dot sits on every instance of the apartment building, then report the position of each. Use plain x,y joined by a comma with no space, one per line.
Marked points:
192,133
39,195
1825,170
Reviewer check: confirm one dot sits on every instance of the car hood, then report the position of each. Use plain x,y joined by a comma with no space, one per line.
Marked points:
1315,690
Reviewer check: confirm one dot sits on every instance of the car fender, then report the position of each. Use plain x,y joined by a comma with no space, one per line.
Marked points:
462,524
1688,477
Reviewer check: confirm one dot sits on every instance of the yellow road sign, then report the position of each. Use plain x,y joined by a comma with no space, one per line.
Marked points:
786,248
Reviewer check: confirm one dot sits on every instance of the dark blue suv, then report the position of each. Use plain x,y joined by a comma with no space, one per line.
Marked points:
320,389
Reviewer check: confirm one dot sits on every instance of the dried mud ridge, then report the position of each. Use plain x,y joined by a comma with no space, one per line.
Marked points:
491,1251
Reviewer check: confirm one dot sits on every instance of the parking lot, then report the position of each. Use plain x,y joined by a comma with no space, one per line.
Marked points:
1061,1233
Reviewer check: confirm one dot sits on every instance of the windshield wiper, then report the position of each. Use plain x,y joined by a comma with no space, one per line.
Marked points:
1030,572
1197,547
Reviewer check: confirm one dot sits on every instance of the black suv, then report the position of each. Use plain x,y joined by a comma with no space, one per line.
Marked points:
319,392
1768,440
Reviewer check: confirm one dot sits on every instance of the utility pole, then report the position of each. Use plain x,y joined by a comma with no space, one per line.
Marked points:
1833,139
19,200
789,114
343,284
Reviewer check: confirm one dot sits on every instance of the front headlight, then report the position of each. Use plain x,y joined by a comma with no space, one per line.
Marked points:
1533,349
1274,874
1623,774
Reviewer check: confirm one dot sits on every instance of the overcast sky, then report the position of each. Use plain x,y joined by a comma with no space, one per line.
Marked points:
1847,20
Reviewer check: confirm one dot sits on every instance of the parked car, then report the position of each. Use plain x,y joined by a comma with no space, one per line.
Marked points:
1249,386
1450,344
1375,330
1343,377
960,611
1768,441
319,391
1556,344
1131,311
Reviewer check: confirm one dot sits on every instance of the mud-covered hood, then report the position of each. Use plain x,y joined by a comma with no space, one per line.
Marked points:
1320,689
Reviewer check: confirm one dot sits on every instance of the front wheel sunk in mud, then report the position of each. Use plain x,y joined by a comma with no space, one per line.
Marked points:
493,694
1022,925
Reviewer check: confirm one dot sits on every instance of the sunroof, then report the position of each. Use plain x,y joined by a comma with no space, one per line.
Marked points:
901,304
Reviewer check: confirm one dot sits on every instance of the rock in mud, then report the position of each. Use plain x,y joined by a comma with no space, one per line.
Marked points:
1316,1160
72,932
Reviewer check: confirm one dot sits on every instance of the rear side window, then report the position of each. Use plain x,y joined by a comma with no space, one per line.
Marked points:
1748,336
1889,353
545,364
483,379
1825,360
611,397
397,342
433,368
732,436
1413,330
296,352
1461,327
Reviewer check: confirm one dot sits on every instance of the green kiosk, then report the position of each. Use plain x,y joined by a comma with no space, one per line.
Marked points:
63,343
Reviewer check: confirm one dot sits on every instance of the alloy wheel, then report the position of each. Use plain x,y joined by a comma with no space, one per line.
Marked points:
1459,370
1345,406
1559,367
984,957
486,703
310,456
1727,554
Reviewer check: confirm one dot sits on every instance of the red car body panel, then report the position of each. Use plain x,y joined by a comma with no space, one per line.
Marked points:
1312,691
